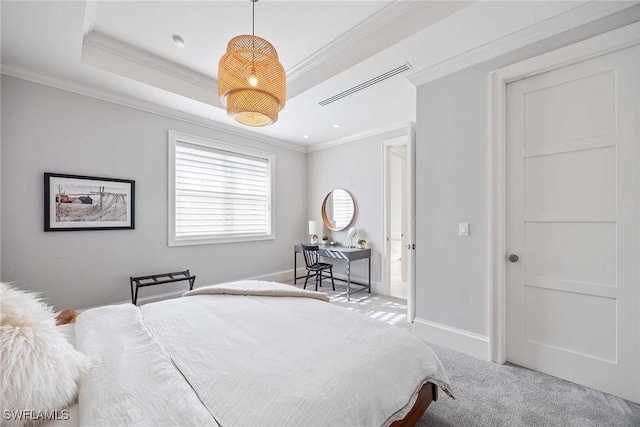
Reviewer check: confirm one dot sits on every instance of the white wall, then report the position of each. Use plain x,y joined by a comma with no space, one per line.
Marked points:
50,130
452,157
357,167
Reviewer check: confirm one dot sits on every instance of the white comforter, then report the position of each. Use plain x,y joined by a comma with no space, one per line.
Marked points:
249,361
132,382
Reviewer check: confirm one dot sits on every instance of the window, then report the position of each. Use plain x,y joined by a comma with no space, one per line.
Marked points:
218,192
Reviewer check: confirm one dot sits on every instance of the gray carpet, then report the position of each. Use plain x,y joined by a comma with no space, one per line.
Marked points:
506,395
491,395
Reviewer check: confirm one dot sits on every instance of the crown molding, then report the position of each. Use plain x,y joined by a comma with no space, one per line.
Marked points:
13,70
347,40
391,24
142,57
115,56
550,27
398,126
129,61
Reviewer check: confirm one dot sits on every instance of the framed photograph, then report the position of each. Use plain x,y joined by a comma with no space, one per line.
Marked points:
74,203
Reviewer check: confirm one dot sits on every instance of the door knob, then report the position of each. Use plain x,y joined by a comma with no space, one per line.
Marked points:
513,258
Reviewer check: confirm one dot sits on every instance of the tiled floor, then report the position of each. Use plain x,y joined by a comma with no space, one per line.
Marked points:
399,289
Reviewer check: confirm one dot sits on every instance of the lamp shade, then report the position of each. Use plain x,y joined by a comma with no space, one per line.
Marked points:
314,227
251,81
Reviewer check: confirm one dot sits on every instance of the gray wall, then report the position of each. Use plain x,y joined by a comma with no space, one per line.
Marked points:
357,167
452,157
49,130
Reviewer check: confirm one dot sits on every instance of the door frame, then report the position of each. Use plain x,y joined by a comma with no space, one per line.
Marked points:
603,44
408,139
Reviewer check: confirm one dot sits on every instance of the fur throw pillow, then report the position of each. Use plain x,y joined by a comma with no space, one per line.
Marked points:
39,369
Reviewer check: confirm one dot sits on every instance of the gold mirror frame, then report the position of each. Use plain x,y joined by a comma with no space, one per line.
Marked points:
325,218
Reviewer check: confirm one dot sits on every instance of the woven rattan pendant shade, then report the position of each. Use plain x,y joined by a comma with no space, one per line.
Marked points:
251,81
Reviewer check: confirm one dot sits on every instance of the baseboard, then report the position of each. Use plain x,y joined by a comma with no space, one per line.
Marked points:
461,340
279,276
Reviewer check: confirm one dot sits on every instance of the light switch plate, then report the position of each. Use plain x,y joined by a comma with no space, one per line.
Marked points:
463,229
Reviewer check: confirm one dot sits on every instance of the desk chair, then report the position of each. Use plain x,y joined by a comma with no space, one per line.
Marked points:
314,266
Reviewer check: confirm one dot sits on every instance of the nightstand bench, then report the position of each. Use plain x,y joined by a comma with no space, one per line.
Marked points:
158,279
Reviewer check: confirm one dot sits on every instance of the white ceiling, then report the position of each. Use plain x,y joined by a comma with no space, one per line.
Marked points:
126,48
297,29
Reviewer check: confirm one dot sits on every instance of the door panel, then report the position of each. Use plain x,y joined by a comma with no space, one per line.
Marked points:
573,109
576,330
571,182
592,247
573,298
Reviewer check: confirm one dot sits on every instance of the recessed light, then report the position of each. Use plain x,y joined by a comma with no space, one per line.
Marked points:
178,41
305,136
337,125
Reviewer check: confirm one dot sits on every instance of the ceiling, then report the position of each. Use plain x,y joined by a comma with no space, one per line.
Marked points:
326,47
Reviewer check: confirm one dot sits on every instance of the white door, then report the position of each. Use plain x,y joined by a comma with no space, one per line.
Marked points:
573,296
410,223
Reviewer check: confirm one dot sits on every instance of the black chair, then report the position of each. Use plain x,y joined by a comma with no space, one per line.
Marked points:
315,267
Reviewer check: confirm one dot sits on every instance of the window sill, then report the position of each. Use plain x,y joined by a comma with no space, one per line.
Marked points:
217,240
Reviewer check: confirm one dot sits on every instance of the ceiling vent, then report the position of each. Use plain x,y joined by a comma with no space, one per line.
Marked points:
401,69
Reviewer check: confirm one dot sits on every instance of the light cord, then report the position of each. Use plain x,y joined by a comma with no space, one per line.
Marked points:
253,36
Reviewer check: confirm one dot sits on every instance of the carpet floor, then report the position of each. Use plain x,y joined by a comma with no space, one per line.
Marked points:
488,394
494,395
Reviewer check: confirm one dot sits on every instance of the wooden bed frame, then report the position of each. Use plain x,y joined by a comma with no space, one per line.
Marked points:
427,394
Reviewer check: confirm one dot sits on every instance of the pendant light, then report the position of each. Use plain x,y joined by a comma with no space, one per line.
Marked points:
251,80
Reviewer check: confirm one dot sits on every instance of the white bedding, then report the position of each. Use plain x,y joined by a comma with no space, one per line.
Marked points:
257,288
68,331
132,382
249,361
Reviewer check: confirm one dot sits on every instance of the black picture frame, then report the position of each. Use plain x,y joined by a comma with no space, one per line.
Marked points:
81,203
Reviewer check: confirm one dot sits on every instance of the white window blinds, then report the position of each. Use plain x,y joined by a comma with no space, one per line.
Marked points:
220,195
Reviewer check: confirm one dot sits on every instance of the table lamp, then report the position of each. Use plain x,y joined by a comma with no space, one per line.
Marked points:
314,230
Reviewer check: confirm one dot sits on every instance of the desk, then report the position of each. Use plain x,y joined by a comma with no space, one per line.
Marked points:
338,252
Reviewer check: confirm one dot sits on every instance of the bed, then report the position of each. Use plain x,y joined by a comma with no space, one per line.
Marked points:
251,353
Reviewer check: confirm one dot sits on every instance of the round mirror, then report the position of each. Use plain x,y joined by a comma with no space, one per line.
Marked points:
338,210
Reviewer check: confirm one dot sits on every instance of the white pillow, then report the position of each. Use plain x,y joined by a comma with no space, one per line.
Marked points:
39,369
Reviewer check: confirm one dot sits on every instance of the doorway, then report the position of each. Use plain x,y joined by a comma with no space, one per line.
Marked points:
397,221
